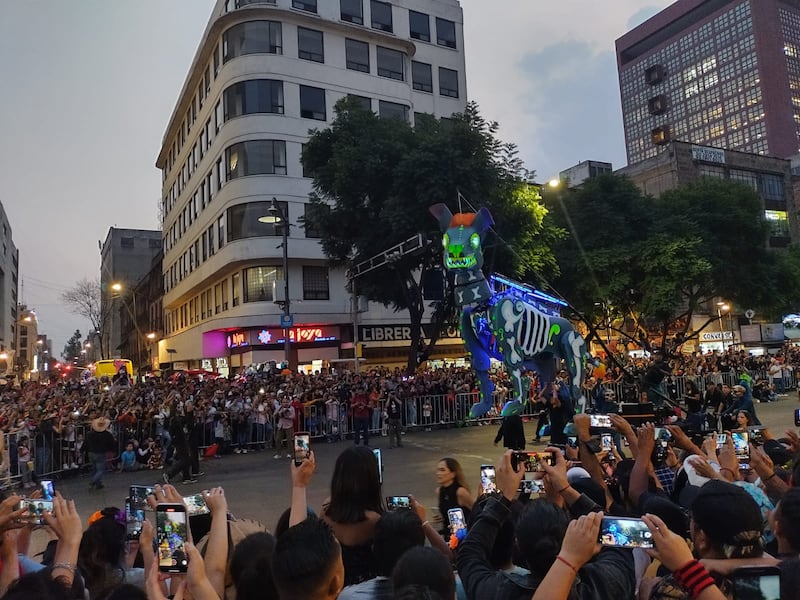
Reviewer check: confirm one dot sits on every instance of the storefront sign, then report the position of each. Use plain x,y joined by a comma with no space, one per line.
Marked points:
275,335
206,365
706,154
399,333
222,363
716,336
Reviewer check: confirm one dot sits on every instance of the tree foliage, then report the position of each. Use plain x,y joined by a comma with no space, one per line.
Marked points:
84,299
73,347
374,180
651,264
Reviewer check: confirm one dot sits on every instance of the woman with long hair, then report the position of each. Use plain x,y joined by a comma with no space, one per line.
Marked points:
354,507
453,491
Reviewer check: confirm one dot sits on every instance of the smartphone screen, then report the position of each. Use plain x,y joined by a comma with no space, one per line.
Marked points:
134,519
302,446
395,502
606,442
797,417
625,533
138,495
531,486
740,441
34,510
488,479
722,439
196,505
756,436
171,538
455,517
532,462
600,421
662,433
379,458
763,583
48,492
572,441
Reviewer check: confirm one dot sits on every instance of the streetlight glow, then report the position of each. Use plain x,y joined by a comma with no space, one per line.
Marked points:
150,336
554,183
117,287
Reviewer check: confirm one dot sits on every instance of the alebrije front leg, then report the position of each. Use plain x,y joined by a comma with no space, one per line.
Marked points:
479,357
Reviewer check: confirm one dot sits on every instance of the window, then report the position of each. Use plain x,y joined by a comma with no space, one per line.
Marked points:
312,103
217,298
221,231
258,282
243,220
419,26
421,76
236,286
390,63
381,15
363,101
256,157
448,82
225,294
252,37
311,213
357,55
777,220
352,11
445,33
773,187
309,45
255,96
307,5
315,283
392,110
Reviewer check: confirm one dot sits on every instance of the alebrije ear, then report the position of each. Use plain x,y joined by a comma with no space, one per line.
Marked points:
483,220
442,214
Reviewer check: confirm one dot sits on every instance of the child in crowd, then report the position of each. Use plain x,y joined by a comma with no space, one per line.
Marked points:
24,462
127,460
155,461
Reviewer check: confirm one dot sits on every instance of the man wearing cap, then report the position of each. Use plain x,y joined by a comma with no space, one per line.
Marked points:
725,524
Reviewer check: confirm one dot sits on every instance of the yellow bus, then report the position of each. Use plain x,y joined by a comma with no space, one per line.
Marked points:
112,366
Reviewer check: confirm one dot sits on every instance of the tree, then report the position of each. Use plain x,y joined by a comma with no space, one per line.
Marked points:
73,347
84,299
374,180
653,263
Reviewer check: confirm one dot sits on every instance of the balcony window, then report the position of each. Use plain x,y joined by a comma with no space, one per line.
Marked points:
254,96
258,283
390,63
243,220
252,37
256,157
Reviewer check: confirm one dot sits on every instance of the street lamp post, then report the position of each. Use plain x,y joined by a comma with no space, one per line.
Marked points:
722,307
277,215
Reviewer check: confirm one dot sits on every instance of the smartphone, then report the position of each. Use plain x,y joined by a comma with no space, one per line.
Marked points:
196,505
171,536
138,495
302,446
455,516
756,582
134,519
606,442
488,479
659,451
756,435
531,486
48,493
797,417
532,462
34,510
572,441
625,533
379,458
395,502
740,444
722,439
603,421
662,433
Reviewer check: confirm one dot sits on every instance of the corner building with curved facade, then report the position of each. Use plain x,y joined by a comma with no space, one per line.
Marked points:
266,73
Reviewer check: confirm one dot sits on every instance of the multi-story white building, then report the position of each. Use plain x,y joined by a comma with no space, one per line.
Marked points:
265,73
9,283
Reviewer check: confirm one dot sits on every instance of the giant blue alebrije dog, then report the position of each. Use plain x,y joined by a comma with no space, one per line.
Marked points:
503,325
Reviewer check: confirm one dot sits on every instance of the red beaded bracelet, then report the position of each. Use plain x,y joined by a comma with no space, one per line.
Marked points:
566,562
693,577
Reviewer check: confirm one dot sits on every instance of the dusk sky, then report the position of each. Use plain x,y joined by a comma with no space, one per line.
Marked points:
89,85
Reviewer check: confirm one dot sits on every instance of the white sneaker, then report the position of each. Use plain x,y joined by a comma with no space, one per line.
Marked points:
288,456
244,450
237,451
66,467
74,466
277,456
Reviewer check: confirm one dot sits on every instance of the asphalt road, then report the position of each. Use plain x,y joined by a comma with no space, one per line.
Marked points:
259,487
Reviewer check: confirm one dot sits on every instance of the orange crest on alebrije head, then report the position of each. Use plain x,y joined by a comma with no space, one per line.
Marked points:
462,219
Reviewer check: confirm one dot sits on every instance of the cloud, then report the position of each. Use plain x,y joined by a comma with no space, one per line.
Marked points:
641,15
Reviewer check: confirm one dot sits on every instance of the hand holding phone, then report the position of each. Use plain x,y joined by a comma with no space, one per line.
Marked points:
488,479
625,533
532,462
601,421
34,510
756,582
138,495
134,520
395,502
171,536
455,516
302,446
48,492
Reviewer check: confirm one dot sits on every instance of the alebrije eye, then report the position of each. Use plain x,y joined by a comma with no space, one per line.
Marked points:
475,240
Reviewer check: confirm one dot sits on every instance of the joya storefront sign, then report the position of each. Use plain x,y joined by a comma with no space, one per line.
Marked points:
274,335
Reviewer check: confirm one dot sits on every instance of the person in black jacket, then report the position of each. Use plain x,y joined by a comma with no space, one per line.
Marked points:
538,533
183,453
99,443
512,432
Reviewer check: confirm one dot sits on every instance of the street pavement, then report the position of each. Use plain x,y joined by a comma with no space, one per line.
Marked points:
259,487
